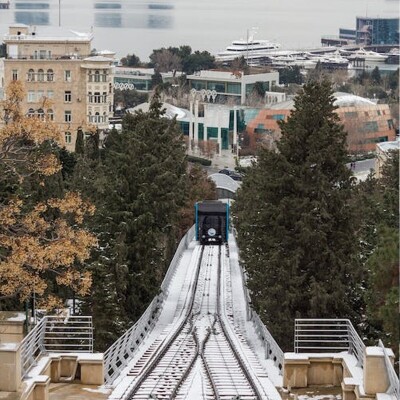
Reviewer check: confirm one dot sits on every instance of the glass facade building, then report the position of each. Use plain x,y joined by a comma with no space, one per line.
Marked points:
371,31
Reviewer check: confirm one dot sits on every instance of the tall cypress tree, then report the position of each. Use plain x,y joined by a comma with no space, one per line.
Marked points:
296,228
80,142
146,181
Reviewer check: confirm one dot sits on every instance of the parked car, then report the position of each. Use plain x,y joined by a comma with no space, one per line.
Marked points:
233,174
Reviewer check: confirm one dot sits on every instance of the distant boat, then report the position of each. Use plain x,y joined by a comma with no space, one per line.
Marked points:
249,49
367,55
4,5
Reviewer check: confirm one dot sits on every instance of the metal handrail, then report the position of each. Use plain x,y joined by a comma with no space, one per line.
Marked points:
272,351
271,348
392,375
328,335
121,352
32,347
67,334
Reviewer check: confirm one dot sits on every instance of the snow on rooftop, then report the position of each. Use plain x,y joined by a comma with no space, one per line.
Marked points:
351,100
387,146
223,181
50,34
12,316
170,110
341,100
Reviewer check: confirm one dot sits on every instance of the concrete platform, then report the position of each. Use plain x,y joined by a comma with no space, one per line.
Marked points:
74,391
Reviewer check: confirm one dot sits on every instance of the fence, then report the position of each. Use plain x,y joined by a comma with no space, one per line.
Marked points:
121,352
56,334
328,335
392,375
272,350
32,347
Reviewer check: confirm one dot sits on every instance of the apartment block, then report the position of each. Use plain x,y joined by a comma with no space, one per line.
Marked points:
62,79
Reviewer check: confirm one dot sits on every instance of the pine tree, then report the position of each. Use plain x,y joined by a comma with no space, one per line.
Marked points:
378,200
146,177
80,142
296,226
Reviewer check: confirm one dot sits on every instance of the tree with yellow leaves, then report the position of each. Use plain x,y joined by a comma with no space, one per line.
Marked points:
45,238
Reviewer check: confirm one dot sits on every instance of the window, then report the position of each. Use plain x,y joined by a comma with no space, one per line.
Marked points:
233,88
67,116
68,137
379,112
218,86
50,94
97,76
31,96
390,124
104,100
370,126
40,113
40,75
278,117
31,112
90,95
35,55
97,97
14,74
350,114
104,76
42,54
50,114
40,95
67,76
67,96
50,75
31,75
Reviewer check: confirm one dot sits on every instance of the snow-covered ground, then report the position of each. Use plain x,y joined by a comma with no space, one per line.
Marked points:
174,310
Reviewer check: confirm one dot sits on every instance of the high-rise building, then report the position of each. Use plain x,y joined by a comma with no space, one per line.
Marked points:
63,81
377,30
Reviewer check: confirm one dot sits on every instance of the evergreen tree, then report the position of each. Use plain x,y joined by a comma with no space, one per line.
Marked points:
80,142
145,173
378,202
296,227
376,76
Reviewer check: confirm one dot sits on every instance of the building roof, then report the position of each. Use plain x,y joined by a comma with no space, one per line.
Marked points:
351,100
341,100
47,33
170,111
388,146
98,58
223,181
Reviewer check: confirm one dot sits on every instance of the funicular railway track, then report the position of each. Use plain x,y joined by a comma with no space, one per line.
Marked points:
199,347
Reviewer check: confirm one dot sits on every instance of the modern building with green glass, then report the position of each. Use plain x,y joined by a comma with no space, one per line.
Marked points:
140,79
231,86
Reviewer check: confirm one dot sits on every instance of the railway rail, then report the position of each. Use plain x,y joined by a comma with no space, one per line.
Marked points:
198,357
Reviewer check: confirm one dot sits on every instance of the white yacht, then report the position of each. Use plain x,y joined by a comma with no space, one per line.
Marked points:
249,49
367,55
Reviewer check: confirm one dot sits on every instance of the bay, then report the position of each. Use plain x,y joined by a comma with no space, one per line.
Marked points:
139,26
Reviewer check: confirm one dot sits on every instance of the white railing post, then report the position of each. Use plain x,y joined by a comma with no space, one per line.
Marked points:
392,375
